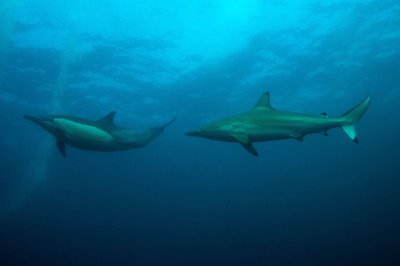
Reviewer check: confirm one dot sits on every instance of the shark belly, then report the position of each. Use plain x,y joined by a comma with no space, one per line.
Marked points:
294,130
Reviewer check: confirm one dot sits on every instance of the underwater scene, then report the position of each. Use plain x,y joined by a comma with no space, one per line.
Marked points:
188,132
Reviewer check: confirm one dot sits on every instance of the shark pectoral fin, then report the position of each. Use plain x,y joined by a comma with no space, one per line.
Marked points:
249,147
244,140
61,147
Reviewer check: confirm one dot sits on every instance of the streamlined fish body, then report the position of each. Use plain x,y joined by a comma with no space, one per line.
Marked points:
265,123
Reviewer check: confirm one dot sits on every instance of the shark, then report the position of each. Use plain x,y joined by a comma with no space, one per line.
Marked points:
95,135
266,123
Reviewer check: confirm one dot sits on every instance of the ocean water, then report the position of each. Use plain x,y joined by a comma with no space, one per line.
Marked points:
191,201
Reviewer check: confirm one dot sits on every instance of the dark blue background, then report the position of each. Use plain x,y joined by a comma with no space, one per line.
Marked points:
189,201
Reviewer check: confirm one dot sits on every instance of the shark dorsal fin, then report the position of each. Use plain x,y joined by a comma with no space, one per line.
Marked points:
264,102
107,120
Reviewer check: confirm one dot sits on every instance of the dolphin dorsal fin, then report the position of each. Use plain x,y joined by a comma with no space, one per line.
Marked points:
107,120
264,102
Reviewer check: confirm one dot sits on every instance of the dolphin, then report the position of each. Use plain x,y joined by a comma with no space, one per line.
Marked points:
263,123
95,135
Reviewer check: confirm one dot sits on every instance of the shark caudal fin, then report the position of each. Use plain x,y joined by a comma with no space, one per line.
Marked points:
351,118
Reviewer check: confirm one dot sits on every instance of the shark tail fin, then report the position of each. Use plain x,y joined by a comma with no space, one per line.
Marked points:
351,118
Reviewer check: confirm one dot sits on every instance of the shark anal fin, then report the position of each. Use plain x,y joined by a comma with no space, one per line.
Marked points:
244,140
61,148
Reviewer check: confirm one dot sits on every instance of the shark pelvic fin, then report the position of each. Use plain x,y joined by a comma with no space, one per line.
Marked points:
61,148
244,140
297,137
264,102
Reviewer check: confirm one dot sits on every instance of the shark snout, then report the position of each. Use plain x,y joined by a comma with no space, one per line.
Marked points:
198,132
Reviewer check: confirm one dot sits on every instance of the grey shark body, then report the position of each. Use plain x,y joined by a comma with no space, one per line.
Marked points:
95,135
265,123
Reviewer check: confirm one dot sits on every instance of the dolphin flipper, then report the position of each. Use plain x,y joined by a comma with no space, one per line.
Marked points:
61,148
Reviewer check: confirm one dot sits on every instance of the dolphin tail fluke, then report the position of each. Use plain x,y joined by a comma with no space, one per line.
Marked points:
155,131
170,122
351,118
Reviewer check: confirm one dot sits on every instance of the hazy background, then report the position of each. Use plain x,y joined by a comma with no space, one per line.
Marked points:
190,201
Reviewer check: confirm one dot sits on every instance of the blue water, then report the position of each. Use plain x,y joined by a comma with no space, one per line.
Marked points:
191,201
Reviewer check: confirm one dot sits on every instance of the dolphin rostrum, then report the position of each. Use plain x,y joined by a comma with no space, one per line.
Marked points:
263,123
95,135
